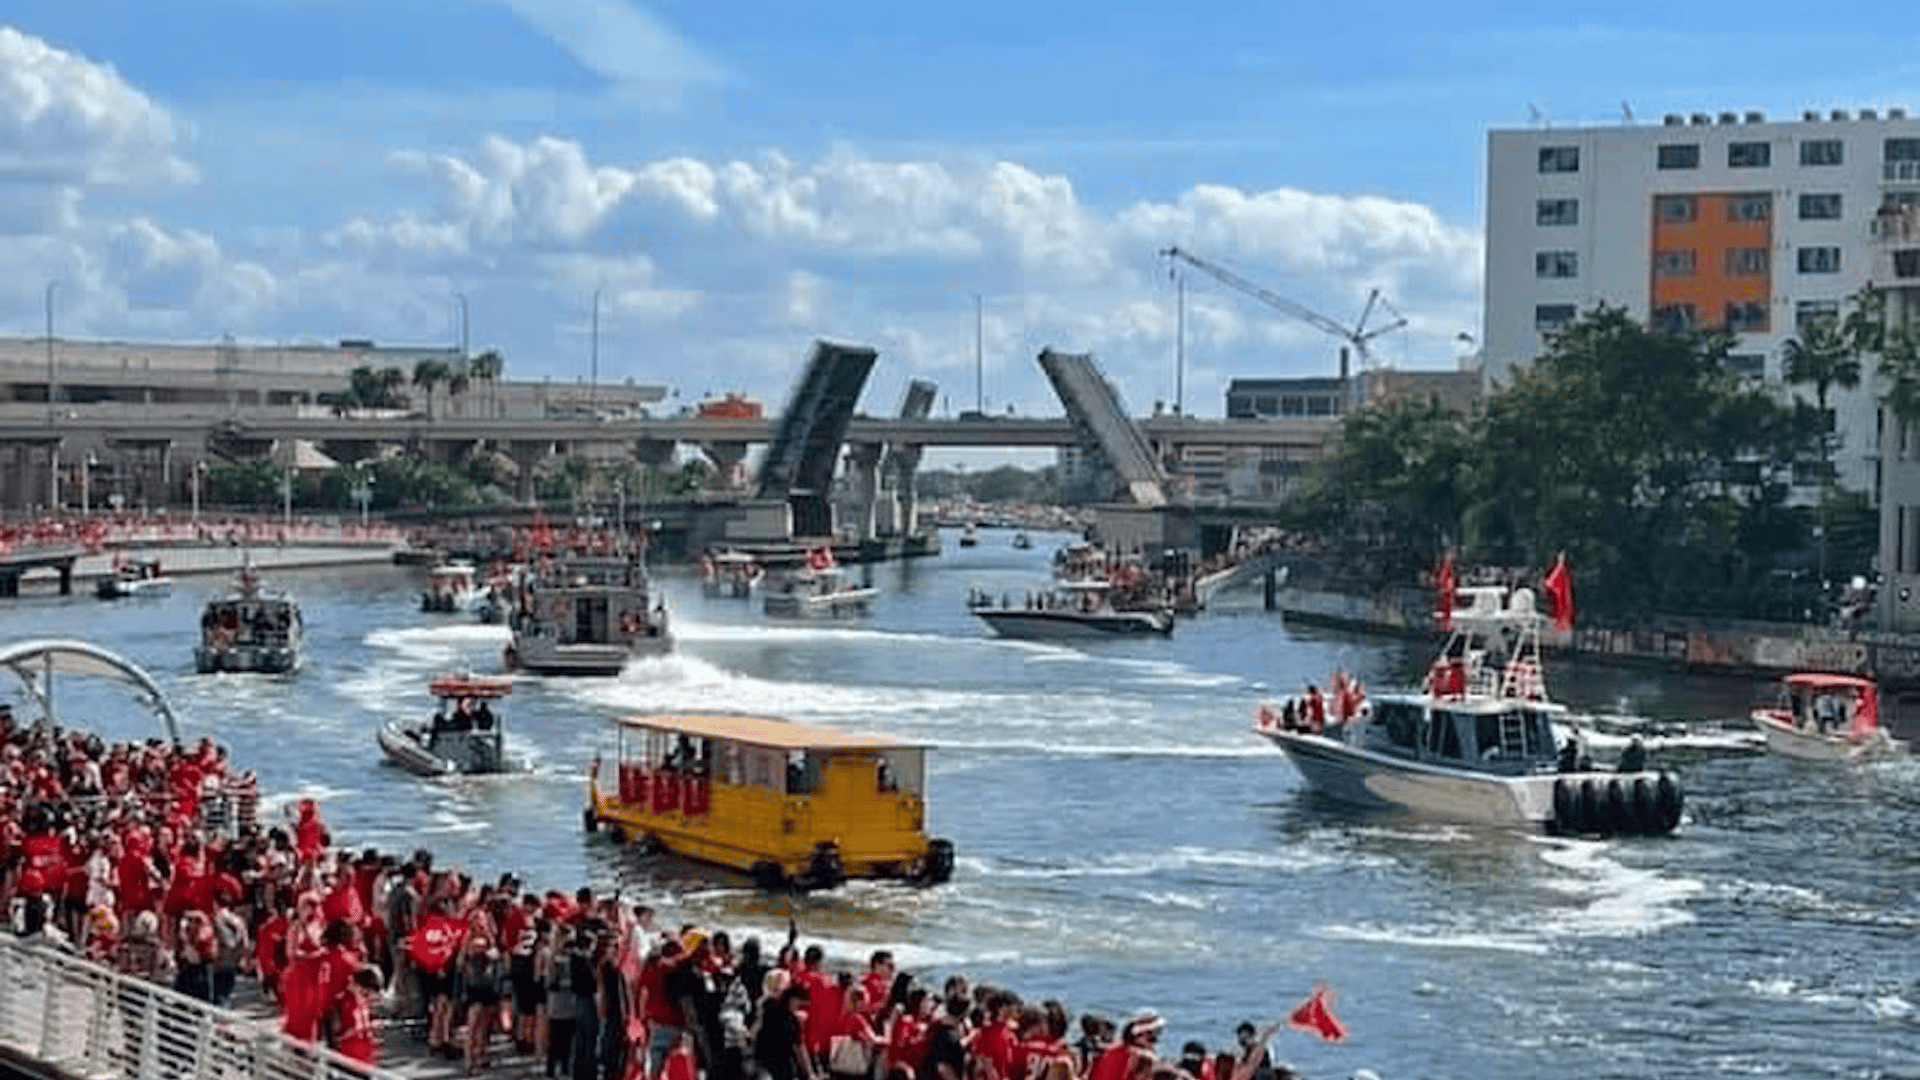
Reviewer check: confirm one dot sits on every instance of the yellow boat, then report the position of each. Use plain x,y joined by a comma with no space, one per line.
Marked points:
790,804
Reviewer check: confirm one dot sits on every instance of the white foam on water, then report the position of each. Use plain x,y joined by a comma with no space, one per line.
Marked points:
1620,900
1434,937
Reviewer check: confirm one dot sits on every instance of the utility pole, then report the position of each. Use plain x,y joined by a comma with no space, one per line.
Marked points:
1179,342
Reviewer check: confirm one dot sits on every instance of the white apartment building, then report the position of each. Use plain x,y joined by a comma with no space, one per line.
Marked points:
1727,220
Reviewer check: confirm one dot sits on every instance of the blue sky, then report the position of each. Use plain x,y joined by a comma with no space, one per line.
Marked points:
736,179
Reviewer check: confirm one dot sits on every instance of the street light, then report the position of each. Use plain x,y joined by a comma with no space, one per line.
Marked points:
199,470
86,485
364,495
286,499
53,395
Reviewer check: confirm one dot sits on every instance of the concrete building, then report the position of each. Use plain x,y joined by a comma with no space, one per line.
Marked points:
1713,220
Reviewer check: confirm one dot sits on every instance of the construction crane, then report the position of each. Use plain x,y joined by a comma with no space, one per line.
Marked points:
1357,337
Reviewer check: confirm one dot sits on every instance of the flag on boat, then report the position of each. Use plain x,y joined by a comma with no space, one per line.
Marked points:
1866,713
1316,1015
1443,593
820,558
1558,588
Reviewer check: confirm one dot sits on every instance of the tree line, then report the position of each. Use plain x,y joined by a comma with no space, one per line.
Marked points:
1666,476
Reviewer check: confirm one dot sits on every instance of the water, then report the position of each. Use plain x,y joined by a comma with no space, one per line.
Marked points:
1125,841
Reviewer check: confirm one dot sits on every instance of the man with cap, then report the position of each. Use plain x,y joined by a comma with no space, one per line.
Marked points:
1133,1055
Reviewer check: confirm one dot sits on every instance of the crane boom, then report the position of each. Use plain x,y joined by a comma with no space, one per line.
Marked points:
1357,336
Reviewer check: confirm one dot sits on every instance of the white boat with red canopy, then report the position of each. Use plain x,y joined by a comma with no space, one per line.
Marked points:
1824,716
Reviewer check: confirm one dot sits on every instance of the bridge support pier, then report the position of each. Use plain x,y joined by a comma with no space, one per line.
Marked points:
863,464
525,455
726,458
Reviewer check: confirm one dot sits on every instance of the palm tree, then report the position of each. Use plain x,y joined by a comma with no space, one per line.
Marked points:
427,374
487,367
1826,355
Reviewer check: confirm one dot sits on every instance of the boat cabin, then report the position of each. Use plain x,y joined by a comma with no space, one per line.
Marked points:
787,802
1831,703
464,702
1512,736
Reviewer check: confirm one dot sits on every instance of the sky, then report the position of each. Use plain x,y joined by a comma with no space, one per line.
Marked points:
956,185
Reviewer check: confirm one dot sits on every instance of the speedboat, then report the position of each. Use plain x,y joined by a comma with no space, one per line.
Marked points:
249,629
1081,609
1475,742
816,589
451,587
133,576
1827,717
729,574
463,737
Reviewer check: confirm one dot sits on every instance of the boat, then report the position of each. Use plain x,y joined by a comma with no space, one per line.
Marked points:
1022,541
969,535
249,629
463,737
791,805
817,588
1081,609
133,576
729,573
585,615
451,587
1475,742
1822,716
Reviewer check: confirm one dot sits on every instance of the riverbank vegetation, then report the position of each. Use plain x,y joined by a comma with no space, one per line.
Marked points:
1667,476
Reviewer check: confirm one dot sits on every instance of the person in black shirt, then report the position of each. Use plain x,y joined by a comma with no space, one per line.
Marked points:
947,1044
777,1043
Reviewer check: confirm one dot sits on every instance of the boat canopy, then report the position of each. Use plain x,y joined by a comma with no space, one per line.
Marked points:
770,731
37,662
470,686
1817,681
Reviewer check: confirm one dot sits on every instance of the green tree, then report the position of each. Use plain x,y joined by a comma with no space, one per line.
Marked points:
428,374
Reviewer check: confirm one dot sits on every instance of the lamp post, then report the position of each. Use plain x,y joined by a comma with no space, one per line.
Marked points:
86,485
199,470
286,498
53,394
363,494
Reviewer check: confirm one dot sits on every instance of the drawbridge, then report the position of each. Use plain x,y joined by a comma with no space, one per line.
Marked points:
805,451
1129,470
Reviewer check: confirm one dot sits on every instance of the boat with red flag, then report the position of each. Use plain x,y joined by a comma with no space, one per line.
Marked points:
816,588
1477,740
1826,716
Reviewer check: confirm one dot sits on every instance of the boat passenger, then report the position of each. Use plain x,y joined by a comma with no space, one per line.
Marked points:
483,718
1634,757
1316,710
1570,755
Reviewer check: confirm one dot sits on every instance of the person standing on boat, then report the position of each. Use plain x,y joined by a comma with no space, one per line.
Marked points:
1315,709
1634,757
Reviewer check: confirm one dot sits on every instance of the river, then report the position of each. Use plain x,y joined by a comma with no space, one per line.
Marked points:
1124,840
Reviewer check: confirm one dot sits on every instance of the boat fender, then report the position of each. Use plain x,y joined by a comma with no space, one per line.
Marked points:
937,867
1646,806
1615,819
768,876
1566,806
1668,800
1591,798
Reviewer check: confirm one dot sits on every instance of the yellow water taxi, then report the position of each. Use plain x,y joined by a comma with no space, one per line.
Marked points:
790,804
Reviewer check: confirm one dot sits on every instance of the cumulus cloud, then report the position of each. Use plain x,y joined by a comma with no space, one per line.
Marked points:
65,120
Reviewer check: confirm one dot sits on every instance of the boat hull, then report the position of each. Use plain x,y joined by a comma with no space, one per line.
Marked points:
409,746
1584,802
240,659
1069,624
805,606
542,656
120,589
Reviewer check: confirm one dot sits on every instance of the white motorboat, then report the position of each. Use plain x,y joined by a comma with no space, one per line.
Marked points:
730,574
1823,716
452,587
1474,743
249,629
585,615
816,589
1081,609
133,576
463,736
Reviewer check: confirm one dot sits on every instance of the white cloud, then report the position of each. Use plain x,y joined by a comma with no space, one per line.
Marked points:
635,51
65,120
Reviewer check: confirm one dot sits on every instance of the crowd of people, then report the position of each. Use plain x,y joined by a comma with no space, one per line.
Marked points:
152,859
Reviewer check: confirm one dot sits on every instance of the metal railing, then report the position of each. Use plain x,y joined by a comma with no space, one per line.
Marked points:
84,1020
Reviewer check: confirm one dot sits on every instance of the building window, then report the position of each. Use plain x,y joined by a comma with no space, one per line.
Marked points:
1675,208
1673,262
1674,317
1819,260
1556,264
1821,206
1749,155
1752,365
1746,262
1680,156
1559,159
1820,152
1808,311
1550,317
1902,149
1557,212
1906,263
1751,207
1747,317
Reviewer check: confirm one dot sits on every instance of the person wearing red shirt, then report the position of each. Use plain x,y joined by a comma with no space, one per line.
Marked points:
435,942
878,981
825,1002
678,1064
853,1025
992,1045
310,836
353,1016
907,1035
270,944
1133,1054
1043,1052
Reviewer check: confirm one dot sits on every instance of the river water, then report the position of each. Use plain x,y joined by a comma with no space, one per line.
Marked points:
1125,841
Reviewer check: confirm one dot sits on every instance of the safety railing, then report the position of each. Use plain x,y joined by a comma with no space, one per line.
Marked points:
84,1020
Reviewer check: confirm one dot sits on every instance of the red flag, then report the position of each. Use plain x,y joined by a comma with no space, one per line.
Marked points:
1443,593
1558,588
1316,1015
